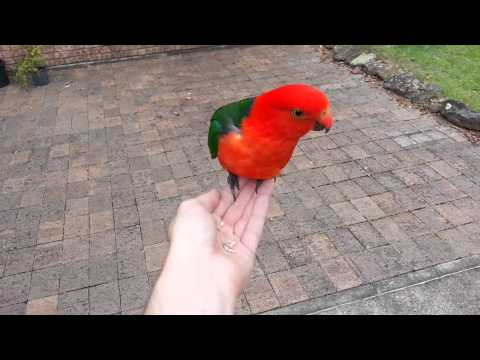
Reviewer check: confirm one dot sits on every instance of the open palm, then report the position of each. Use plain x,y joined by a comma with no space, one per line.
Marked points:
214,240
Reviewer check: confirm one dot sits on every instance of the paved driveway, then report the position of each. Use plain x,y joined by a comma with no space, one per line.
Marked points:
94,165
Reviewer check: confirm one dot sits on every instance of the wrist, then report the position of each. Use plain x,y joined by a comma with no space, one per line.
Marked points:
196,296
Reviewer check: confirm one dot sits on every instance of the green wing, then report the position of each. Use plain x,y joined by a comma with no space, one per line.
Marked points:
226,119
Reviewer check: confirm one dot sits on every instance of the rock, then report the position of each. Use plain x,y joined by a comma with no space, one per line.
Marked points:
329,46
356,70
345,52
363,59
435,107
436,104
407,85
380,69
459,114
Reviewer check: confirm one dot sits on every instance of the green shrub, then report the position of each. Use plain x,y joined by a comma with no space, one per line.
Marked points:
32,62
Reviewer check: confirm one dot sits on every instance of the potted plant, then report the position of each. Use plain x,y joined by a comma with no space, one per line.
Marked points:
3,75
32,69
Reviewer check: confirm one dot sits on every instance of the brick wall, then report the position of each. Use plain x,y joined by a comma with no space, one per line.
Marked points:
71,54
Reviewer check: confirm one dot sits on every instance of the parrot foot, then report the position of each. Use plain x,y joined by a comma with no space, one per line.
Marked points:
257,185
233,183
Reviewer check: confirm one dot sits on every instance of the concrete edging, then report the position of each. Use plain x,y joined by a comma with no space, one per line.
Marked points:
405,84
377,288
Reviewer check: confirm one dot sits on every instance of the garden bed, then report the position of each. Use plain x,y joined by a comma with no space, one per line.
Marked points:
444,79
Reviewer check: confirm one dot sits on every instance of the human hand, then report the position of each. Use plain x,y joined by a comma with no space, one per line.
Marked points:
201,275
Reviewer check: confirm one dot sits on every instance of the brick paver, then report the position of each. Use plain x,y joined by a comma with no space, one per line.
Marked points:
94,165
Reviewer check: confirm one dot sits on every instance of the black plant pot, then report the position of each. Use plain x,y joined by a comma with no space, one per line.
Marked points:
40,78
3,75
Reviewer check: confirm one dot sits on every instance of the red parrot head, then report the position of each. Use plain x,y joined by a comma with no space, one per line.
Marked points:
296,109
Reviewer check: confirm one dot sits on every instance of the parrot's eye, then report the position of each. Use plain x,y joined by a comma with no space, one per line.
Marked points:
298,113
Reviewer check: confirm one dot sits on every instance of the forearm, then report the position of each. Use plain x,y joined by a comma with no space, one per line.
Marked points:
184,292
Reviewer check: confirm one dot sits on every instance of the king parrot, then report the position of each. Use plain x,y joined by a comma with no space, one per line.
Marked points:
255,137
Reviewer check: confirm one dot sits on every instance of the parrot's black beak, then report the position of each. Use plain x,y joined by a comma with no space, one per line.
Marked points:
320,127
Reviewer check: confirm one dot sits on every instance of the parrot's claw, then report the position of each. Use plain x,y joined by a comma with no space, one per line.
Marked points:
233,183
257,185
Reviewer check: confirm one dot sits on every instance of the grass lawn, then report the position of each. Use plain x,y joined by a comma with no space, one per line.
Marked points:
455,69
